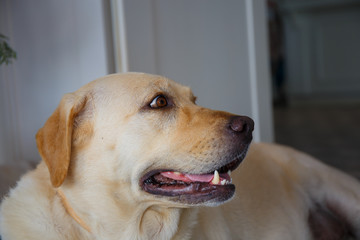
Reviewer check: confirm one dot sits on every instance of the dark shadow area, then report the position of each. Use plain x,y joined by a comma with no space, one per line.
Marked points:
331,133
314,55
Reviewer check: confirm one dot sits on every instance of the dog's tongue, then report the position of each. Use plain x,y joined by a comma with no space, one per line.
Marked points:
188,177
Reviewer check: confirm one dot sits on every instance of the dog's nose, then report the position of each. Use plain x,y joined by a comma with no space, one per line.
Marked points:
243,126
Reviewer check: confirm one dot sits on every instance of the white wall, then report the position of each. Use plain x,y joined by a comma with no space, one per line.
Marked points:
216,47
219,48
61,45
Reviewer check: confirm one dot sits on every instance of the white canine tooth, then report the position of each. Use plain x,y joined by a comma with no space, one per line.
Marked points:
229,172
216,178
223,182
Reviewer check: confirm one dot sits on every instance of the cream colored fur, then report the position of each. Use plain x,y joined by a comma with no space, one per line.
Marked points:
114,141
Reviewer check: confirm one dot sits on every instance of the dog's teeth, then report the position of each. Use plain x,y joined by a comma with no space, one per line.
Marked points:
177,173
223,182
229,172
216,178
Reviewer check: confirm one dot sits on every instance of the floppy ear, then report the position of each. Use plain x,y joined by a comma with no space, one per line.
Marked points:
54,139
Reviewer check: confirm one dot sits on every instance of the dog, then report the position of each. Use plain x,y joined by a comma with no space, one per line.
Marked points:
131,156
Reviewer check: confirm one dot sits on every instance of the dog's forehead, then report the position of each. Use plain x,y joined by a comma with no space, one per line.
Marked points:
139,86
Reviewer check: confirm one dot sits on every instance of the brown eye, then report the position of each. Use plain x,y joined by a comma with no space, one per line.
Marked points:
159,102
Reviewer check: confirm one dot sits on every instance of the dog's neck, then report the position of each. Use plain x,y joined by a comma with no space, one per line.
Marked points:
126,220
71,211
159,222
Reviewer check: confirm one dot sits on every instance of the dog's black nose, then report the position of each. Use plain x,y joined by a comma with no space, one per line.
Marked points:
243,126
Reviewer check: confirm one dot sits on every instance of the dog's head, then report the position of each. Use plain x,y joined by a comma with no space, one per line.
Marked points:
145,134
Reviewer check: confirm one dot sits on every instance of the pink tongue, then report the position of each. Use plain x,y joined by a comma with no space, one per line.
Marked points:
200,178
188,177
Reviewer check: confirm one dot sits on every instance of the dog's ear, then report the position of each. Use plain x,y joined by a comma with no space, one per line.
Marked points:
54,139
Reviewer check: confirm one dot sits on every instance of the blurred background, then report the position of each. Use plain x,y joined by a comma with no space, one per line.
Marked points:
293,66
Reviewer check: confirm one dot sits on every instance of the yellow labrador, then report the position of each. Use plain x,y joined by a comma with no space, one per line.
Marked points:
131,156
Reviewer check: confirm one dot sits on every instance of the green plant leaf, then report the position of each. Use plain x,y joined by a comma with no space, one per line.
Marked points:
6,52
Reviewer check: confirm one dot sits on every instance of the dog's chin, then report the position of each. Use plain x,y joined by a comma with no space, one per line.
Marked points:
209,189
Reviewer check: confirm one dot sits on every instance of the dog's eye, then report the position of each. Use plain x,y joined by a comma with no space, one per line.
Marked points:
159,102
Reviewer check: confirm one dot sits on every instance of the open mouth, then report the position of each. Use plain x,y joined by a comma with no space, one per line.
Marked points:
215,186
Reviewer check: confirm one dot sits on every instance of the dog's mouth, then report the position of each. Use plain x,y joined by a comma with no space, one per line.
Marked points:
215,186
